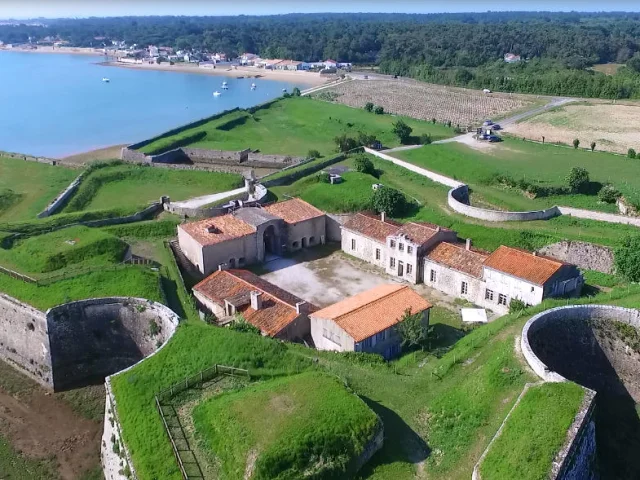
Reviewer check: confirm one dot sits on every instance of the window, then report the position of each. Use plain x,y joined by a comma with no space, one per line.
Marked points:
312,240
409,269
380,336
334,337
353,244
464,288
392,262
294,244
401,247
532,289
377,254
502,299
432,277
409,249
392,243
241,261
488,294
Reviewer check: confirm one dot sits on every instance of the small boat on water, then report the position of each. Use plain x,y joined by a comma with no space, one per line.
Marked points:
253,86
225,86
216,93
284,90
105,80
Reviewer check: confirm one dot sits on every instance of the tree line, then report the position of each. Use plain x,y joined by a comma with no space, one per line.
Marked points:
557,49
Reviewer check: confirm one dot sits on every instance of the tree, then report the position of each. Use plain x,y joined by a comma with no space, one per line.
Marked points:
608,194
634,63
627,258
593,146
631,153
378,110
516,305
578,179
368,106
389,200
425,139
366,140
576,143
345,143
402,131
412,329
433,120
364,165
296,92
313,154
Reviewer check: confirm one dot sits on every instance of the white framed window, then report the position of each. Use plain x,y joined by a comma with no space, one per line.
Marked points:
378,254
532,289
353,244
392,243
334,337
401,247
488,294
432,276
502,299
464,288
392,262
409,269
409,249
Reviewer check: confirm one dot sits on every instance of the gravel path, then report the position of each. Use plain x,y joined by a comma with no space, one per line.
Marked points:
198,202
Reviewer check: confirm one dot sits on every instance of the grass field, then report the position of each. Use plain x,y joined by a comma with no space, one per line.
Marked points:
286,427
544,165
14,465
614,127
118,186
74,246
26,188
293,127
526,448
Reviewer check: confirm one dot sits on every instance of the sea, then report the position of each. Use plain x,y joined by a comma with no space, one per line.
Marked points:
56,105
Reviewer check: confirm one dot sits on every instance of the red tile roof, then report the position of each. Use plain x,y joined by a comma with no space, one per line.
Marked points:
522,264
278,306
459,258
217,229
294,210
419,233
373,311
371,227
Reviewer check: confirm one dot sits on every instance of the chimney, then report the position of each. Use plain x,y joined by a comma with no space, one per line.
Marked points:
256,300
535,254
222,266
468,246
302,307
383,216
438,228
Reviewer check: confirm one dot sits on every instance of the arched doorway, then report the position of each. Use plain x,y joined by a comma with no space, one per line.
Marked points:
270,239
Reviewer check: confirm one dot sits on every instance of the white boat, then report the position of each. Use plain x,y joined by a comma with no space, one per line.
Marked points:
253,86
284,89
105,80
216,93
225,86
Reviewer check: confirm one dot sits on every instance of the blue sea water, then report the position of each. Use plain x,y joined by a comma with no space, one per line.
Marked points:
56,105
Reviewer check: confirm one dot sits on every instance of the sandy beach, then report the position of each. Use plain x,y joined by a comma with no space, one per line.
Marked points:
65,50
311,79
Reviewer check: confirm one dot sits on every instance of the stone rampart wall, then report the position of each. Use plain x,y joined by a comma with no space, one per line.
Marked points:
259,197
300,171
60,199
585,255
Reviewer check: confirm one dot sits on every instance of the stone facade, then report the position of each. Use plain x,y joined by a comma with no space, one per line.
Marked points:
449,281
585,255
365,248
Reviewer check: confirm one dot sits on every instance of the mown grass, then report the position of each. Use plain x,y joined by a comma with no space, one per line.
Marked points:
32,186
162,228
73,246
130,281
294,126
288,426
115,186
545,165
526,448
599,279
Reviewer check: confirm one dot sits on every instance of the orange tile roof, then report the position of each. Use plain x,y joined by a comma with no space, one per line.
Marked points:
294,210
371,227
373,311
418,233
523,264
227,227
459,258
278,306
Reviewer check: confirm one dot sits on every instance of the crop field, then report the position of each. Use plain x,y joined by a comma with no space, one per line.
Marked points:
293,127
427,101
26,188
117,186
614,127
285,427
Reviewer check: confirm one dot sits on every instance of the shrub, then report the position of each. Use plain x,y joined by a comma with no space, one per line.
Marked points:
402,131
631,153
433,120
576,143
413,331
345,143
578,179
364,165
627,258
322,177
365,139
425,139
296,92
368,107
516,305
390,201
313,154
241,325
154,328
593,146
608,194
378,110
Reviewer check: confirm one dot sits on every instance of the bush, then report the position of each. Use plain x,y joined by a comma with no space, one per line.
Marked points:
576,143
241,325
368,107
154,328
296,92
378,110
593,146
390,201
631,153
364,165
402,131
608,194
322,177
345,143
365,139
313,154
425,139
627,258
516,305
578,179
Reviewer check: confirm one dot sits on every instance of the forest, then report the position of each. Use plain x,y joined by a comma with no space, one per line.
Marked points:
557,49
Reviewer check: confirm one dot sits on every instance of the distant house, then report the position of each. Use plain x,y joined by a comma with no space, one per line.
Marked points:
291,65
208,65
365,322
219,57
270,63
249,59
153,51
330,64
511,58
277,313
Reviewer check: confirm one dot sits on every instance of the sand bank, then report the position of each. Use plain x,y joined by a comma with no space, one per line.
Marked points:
65,50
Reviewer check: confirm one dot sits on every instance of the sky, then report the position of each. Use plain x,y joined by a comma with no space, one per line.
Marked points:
20,9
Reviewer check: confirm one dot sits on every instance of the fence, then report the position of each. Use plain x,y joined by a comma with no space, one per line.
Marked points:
185,457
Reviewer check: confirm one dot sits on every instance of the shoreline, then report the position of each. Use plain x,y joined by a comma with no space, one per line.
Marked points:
57,50
308,79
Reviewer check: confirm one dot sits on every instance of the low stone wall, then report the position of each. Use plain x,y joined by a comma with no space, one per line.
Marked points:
585,255
371,447
136,217
60,199
259,197
301,171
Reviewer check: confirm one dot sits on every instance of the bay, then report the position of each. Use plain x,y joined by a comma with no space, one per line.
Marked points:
56,105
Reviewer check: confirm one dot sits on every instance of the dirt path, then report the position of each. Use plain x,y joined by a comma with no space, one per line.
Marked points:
39,425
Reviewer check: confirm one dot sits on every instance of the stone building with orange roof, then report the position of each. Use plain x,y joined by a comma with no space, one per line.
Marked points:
249,235
366,322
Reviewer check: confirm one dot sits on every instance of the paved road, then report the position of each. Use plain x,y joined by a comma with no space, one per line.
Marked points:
198,202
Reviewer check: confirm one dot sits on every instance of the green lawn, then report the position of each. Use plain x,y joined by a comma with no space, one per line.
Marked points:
293,127
26,188
545,165
526,448
288,426
118,186
74,246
